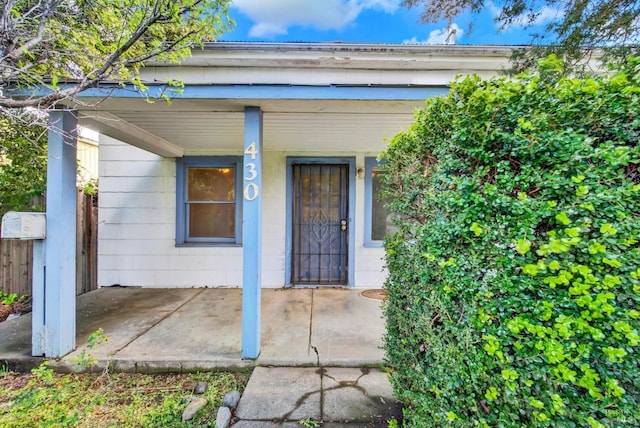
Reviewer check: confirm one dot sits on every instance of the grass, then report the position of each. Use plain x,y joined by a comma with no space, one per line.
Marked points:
47,399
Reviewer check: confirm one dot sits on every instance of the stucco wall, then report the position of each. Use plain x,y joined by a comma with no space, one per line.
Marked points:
137,226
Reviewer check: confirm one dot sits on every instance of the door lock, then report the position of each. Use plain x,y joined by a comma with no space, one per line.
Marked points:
343,225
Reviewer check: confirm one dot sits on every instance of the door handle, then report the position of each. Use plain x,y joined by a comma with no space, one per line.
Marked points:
343,225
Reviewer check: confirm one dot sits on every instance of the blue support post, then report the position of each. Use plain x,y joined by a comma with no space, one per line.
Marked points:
251,232
37,299
60,243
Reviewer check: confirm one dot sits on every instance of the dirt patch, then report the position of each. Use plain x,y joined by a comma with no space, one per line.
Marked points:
45,398
18,307
5,311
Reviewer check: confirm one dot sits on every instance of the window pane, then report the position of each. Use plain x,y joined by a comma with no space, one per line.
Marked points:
212,220
211,184
380,218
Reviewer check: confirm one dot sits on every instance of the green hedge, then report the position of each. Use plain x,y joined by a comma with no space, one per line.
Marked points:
514,282
23,166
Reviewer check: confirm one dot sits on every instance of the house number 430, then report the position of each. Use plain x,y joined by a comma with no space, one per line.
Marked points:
251,190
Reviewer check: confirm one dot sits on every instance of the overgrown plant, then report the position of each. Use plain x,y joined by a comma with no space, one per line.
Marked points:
514,283
85,360
23,166
10,303
309,423
11,298
48,399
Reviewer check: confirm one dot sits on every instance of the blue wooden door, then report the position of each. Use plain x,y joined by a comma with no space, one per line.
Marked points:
320,224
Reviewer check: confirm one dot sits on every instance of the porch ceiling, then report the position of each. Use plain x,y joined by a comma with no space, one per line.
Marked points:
199,126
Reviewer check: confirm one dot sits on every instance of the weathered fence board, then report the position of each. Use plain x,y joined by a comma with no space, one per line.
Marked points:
16,257
15,276
86,244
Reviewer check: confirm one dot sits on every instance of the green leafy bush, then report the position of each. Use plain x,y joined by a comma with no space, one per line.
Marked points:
514,282
23,166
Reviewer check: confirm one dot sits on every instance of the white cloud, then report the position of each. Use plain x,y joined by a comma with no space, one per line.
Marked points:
274,17
543,16
444,36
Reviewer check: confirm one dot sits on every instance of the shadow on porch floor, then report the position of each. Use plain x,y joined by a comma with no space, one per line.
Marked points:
153,330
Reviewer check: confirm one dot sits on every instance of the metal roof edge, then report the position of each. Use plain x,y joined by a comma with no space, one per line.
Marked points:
360,47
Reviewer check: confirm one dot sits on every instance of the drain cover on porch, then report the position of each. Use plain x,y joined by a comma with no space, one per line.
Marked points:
376,293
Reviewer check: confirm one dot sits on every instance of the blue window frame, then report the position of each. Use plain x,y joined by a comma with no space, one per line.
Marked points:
377,219
209,200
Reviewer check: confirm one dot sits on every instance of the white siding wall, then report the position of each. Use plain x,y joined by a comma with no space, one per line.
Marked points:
369,261
87,160
137,226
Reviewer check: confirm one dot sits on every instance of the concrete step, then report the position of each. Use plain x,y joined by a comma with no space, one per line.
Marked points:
330,396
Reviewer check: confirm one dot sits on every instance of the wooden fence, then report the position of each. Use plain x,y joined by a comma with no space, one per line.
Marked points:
16,257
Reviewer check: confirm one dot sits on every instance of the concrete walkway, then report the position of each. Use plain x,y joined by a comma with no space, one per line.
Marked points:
320,358
335,396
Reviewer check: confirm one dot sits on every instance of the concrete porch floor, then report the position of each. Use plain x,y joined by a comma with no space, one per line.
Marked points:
154,330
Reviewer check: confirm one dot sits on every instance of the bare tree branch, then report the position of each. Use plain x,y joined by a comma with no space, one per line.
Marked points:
82,43
578,27
46,14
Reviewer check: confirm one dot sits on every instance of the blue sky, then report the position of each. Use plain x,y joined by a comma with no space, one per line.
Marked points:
366,21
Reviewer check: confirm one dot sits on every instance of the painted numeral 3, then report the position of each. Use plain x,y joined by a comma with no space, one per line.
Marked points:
252,173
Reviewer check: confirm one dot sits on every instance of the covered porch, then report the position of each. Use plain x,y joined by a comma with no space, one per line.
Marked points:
162,330
258,111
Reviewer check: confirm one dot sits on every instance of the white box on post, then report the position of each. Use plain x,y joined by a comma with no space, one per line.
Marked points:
31,226
24,226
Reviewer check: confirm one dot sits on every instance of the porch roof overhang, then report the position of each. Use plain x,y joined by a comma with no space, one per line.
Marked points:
207,118
314,97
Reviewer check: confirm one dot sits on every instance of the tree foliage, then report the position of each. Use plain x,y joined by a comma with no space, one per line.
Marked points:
514,284
572,28
23,166
63,47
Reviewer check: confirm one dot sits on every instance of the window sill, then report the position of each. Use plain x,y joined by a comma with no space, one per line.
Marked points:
208,244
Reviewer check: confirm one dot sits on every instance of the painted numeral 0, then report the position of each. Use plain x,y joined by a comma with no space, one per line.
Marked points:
251,190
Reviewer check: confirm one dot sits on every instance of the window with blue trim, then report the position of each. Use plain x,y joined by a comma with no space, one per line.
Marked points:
377,217
209,202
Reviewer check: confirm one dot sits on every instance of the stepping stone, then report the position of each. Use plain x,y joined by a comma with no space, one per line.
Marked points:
193,408
281,394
